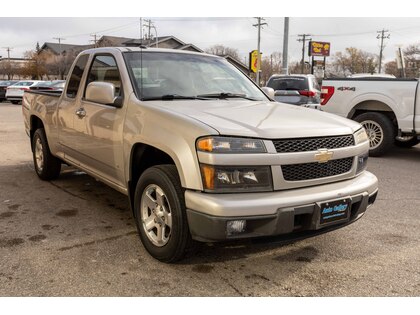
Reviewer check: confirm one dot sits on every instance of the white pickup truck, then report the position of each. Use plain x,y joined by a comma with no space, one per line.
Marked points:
388,108
202,153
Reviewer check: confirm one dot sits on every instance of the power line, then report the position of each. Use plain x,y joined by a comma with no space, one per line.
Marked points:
303,39
200,19
103,31
382,36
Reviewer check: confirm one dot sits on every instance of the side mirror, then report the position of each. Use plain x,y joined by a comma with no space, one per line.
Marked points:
101,92
268,91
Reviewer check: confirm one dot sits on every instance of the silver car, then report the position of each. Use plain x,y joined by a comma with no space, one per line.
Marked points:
297,89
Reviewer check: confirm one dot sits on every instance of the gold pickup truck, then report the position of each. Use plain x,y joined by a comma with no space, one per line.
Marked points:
202,153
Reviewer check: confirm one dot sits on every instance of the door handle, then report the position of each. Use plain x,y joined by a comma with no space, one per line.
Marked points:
81,113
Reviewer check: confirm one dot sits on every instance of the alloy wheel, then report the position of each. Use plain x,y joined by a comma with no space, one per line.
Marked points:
156,215
374,132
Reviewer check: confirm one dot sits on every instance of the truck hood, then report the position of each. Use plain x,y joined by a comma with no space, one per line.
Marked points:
269,120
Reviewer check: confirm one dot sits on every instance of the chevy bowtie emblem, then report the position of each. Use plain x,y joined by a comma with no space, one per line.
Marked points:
323,155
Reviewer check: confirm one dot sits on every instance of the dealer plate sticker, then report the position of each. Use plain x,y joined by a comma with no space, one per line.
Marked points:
334,210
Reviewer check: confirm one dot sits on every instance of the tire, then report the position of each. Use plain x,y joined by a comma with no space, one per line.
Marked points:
159,211
14,102
46,165
381,132
406,142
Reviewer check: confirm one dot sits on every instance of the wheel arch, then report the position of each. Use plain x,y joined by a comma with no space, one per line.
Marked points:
142,157
34,123
373,106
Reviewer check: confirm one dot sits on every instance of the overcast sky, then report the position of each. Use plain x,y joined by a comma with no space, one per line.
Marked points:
21,34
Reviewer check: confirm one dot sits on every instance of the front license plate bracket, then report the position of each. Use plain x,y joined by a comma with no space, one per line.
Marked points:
334,211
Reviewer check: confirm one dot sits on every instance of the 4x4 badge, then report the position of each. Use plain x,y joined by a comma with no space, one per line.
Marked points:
323,155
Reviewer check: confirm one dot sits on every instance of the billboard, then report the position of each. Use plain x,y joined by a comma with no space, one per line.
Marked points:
319,49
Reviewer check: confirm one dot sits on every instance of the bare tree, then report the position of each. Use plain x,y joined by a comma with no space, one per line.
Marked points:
412,63
9,68
353,61
221,50
391,68
269,66
35,67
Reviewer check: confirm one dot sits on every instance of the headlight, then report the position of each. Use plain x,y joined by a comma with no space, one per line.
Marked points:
234,179
361,136
361,163
230,145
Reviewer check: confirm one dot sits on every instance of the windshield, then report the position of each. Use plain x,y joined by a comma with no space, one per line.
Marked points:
159,74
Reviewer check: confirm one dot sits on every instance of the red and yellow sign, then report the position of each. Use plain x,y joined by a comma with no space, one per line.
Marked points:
319,49
254,60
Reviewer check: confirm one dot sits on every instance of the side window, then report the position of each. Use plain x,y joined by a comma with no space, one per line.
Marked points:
104,69
76,76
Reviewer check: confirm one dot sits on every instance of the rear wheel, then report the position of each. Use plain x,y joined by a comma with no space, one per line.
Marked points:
47,166
406,141
380,130
161,220
14,102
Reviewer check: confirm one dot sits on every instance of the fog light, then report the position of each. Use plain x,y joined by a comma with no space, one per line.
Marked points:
235,227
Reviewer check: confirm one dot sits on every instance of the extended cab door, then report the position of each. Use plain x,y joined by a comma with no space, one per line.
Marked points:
67,107
99,127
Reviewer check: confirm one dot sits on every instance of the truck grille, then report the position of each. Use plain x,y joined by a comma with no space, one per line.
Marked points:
312,144
305,171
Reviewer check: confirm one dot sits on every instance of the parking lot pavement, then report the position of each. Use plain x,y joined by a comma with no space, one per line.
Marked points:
75,237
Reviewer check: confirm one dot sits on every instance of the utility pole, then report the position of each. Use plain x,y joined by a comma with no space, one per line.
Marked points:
61,54
141,29
8,49
381,35
8,59
94,40
285,46
149,26
271,64
258,25
303,40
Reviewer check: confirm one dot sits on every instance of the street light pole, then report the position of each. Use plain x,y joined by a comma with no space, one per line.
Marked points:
258,25
285,62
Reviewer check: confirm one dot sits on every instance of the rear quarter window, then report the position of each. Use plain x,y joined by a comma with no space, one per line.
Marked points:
76,76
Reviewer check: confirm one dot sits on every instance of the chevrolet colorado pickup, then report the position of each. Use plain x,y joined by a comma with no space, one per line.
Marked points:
388,108
202,153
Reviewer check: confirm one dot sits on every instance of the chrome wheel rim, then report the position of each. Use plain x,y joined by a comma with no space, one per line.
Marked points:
156,215
374,132
39,155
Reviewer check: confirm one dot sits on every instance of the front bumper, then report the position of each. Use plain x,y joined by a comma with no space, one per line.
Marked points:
275,213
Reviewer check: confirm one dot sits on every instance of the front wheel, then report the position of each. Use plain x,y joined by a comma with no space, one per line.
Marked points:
380,130
47,166
160,213
14,102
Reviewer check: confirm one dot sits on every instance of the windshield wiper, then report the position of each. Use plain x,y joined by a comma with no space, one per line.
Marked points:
170,97
224,95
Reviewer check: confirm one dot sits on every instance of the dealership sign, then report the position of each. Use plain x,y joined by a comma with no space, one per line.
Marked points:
319,49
